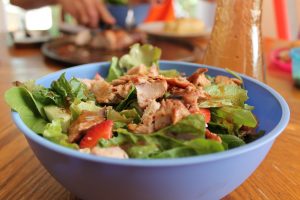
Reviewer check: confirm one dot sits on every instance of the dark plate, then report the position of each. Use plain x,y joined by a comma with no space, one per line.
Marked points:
65,51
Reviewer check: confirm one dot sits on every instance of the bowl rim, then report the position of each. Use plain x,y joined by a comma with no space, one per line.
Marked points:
270,137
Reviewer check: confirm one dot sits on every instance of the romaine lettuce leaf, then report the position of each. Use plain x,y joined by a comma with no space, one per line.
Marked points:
221,126
114,71
53,132
128,100
71,90
78,106
117,117
131,137
20,100
233,73
237,115
145,54
192,124
142,151
225,95
194,147
231,141
41,94
161,143
125,116
114,141
176,152
131,114
204,146
171,73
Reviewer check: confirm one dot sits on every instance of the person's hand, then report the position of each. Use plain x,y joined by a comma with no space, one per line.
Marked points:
145,1
87,12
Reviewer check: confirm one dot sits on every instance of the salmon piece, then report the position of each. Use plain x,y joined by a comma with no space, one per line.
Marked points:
199,79
171,111
148,91
86,120
227,81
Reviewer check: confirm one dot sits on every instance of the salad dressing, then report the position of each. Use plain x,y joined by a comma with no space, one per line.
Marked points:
236,38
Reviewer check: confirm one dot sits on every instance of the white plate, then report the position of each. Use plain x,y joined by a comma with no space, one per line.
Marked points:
157,29
36,37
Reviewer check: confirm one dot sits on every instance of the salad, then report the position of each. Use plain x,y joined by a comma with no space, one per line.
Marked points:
139,110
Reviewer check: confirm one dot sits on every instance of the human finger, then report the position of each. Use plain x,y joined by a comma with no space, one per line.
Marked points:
93,12
105,14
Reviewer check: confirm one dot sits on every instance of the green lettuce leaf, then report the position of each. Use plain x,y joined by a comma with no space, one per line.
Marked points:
225,95
118,117
119,125
43,95
130,137
232,141
238,116
194,147
215,103
204,146
142,151
171,73
145,54
161,143
114,70
53,132
125,116
78,106
114,141
221,126
192,124
131,114
236,76
176,152
129,99
71,90
20,100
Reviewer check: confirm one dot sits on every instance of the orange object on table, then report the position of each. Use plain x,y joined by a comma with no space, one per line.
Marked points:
161,12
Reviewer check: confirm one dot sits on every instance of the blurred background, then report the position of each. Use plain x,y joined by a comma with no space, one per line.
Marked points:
280,18
63,40
49,17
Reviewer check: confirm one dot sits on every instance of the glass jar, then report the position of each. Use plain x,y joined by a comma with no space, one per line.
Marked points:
236,41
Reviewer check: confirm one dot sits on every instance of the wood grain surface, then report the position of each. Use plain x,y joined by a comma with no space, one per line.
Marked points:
23,177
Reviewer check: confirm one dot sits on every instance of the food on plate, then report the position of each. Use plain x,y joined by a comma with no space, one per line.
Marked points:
284,54
110,39
139,110
184,26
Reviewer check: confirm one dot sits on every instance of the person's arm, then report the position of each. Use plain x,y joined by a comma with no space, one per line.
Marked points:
86,12
31,4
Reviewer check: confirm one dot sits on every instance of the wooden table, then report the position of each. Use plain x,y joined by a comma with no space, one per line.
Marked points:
23,177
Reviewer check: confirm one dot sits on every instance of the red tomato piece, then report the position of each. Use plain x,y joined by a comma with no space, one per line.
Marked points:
206,113
101,130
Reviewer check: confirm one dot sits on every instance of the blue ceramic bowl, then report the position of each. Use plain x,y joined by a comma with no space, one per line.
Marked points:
201,177
120,11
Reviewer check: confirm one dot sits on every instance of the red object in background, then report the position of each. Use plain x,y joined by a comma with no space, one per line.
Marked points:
161,12
280,9
280,64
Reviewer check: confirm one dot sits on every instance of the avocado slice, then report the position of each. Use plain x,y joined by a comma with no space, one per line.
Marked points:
54,112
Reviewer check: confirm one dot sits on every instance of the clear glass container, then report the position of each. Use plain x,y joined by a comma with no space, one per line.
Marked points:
236,41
